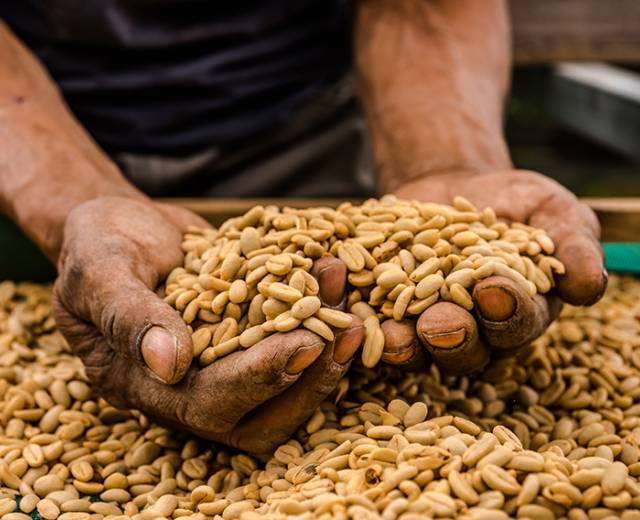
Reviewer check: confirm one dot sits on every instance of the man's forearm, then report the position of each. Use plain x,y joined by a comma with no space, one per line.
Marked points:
48,163
432,76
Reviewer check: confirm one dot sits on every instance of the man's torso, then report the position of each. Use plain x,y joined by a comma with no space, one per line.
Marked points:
178,76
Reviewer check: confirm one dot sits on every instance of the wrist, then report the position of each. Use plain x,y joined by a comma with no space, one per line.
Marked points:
445,140
41,209
49,163
54,167
437,186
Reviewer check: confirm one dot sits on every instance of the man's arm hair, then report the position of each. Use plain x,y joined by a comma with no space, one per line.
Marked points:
432,77
48,162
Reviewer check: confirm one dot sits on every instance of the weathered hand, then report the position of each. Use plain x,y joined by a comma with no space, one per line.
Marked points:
505,318
138,351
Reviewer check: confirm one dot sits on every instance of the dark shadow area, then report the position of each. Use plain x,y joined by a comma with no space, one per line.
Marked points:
538,142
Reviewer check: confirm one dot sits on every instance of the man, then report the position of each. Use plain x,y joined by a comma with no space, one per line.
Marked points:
249,100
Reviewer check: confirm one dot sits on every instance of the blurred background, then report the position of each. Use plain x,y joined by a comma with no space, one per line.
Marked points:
574,111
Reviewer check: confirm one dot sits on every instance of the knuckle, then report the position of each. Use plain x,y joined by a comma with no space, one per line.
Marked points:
203,419
96,356
268,376
323,386
78,334
109,324
258,443
73,275
103,378
199,410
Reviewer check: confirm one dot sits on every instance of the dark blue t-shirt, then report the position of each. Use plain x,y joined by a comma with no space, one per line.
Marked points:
176,76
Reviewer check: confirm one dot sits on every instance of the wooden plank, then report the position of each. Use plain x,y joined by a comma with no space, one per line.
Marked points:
619,218
595,30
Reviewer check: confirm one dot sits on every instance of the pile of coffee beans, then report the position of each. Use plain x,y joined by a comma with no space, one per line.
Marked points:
553,433
251,277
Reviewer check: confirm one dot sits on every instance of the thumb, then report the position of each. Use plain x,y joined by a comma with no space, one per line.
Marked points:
139,326
167,356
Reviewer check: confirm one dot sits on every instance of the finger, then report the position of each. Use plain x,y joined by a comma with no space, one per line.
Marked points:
585,280
402,346
575,231
209,401
273,422
134,321
84,338
248,378
451,336
332,279
114,377
507,316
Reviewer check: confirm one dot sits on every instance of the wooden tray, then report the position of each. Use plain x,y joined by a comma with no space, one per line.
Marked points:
619,218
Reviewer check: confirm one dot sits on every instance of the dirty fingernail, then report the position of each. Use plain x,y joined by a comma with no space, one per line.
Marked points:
449,339
303,357
401,342
400,355
495,303
332,281
159,351
347,344
603,288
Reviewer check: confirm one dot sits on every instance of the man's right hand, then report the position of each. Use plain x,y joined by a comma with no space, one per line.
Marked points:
138,351
113,247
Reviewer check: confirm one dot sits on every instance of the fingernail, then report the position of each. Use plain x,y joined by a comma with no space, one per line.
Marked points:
400,356
401,342
303,357
495,303
159,351
347,344
603,288
450,339
331,280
